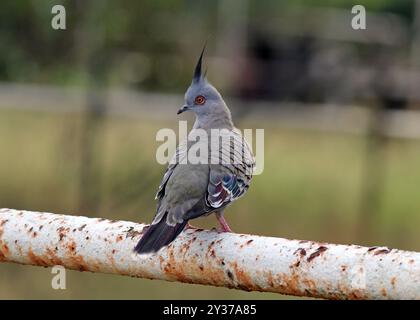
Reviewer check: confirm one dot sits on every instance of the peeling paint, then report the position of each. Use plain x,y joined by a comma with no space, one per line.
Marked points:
317,253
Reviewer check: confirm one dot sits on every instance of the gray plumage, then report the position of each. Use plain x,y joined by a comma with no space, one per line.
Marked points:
187,190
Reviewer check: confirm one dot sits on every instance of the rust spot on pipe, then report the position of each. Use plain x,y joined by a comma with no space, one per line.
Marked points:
393,281
382,251
62,232
356,295
244,281
131,233
72,247
270,279
310,286
55,260
317,253
229,274
19,248
176,269
245,244
36,260
4,250
301,252
170,267
290,284
78,263
185,246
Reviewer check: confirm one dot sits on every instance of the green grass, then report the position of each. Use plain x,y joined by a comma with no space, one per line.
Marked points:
311,188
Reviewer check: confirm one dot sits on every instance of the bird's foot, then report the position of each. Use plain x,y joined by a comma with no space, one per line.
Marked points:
224,229
189,226
223,224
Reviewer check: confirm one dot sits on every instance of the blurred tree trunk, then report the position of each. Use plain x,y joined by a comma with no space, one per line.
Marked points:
373,175
90,53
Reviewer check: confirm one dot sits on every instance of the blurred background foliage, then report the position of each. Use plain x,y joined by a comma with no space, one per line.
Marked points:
80,108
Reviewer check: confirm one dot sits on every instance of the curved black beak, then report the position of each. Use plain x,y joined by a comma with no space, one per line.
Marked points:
183,109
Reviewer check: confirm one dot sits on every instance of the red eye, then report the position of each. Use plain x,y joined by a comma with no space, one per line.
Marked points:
200,100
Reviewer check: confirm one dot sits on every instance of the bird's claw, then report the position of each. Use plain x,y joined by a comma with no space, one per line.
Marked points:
189,226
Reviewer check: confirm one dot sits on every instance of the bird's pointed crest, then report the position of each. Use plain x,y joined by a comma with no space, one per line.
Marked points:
198,68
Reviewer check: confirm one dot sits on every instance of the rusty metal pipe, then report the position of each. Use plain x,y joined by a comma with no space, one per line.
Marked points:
246,262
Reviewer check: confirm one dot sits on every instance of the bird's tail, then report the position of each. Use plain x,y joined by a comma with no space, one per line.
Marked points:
158,235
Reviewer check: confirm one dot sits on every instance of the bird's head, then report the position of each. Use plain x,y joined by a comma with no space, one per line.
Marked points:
201,97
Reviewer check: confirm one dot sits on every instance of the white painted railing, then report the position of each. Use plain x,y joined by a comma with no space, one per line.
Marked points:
246,262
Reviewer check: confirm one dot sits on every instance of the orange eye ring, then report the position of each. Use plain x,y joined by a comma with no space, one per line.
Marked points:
200,100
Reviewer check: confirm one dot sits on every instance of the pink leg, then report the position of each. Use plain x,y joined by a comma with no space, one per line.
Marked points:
223,222
189,226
